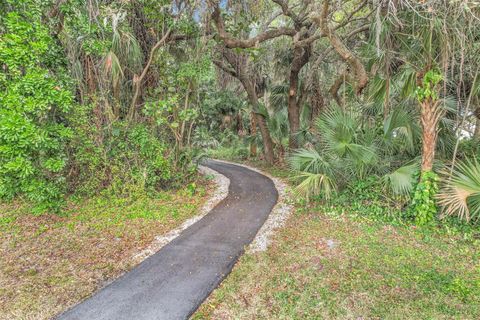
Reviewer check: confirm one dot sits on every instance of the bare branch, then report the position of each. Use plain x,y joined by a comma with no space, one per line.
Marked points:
137,80
360,29
349,19
342,50
232,42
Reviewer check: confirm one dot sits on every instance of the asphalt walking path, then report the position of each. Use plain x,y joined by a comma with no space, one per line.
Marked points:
172,283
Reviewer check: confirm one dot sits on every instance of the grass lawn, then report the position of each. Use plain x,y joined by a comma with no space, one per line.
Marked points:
326,265
50,262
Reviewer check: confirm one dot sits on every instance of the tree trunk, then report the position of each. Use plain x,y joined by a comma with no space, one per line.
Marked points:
430,116
317,100
137,80
240,129
260,119
301,55
253,132
342,78
476,134
293,111
267,140
248,83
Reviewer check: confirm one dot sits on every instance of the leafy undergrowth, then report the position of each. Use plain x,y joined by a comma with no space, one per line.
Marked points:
50,262
232,153
351,260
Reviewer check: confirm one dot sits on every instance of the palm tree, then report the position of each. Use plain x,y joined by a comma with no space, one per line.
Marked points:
343,152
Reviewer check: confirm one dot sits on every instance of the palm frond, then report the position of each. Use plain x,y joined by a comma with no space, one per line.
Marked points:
113,69
309,160
400,125
315,184
131,50
378,89
278,96
407,80
402,180
460,195
316,174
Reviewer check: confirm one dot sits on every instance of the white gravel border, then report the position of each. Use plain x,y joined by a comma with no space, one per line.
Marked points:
276,219
221,191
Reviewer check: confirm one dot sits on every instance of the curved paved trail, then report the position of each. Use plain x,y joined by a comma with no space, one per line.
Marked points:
172,283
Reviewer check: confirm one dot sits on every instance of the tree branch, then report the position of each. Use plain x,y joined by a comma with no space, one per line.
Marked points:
225,68
289,13
342,50
350,16
232,42
337,84
137,80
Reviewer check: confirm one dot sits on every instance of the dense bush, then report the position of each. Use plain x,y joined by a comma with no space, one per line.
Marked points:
34,100
65,126
128,155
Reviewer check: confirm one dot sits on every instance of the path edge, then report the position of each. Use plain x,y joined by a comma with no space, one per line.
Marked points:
276,218
222,183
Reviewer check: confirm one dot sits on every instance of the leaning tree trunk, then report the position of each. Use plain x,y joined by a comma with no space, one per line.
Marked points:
430,116
248,84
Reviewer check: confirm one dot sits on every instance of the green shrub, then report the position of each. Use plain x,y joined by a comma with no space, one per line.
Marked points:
33,103
48,147
151,165
87,166
128,157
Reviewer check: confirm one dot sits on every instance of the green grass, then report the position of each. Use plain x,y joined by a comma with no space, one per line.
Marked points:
232,153
324,267
352,260
51,261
